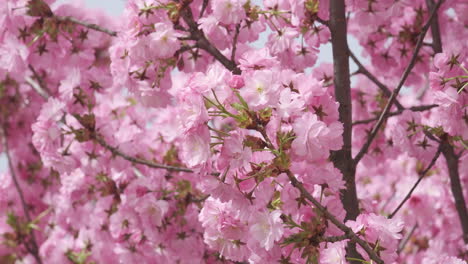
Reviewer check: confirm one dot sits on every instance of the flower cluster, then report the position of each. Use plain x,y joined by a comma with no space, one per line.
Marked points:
206,131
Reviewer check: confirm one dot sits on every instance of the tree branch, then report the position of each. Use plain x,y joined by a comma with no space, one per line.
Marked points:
87,25
34,249
115,151
234,43
435,31
422,174
395,92
455,185
205,44
342,159
361,69
420,108
348,231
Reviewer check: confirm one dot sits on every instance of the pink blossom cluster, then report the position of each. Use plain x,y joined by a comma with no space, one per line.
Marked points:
177,139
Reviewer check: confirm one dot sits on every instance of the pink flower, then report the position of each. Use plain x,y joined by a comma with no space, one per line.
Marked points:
229,11
236,82
266,228
334,253
233,153
163,42
196,146
151,210
261,89
314,138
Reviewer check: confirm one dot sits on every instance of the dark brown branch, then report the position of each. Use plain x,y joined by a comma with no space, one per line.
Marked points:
435,31
395,92
87,25
342,159
348,231
403,243
333,239
204,6
361,69
234,43
420,108
115,151
33,248
203,43
455,185
421,176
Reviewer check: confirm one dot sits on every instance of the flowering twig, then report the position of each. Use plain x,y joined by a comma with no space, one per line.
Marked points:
402,81
402,244
34,248
203,43
421,176
420,108
87,25
370,76
348,231
117,152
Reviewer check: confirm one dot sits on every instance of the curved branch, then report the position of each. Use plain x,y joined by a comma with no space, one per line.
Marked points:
420,108
370,76
115,151
348,231
422,174
34,249
395,92
87,25
203,43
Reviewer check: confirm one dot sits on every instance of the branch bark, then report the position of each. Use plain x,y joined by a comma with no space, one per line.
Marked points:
342,159
435,31
455,185
402,81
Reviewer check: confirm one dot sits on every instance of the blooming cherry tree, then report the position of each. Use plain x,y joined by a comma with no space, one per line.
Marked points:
168,135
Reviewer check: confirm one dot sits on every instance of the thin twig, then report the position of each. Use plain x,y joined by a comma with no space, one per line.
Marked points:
34,250
348,231
361,69
403,243
421,176
87,25
322,21
39,79
234,43
395,92
37,87
117,152
420,108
